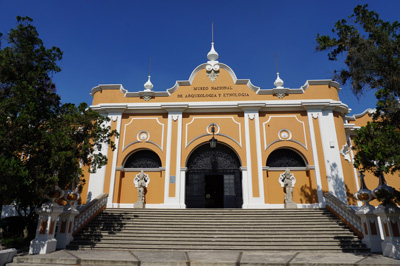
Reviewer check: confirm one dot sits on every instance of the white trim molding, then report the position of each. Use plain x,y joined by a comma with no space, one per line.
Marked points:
97,179
114,162
330,147
312,115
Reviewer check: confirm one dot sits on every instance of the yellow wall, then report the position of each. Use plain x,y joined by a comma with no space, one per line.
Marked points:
304,191
194,132
131,125
230,131
296,123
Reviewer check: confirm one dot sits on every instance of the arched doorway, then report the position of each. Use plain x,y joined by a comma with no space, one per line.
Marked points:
214,179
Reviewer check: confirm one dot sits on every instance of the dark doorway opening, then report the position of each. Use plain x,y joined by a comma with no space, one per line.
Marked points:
214,179
214,190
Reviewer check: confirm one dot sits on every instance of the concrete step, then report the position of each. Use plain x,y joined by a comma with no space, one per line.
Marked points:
232,227
223,242
222,229
229,247
207,235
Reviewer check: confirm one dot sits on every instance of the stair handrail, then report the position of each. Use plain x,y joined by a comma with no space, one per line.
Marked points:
89,211
344,212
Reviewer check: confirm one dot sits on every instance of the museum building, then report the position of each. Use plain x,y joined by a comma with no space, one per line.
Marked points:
216,141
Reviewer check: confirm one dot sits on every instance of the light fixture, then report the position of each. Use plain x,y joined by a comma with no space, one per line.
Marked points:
213,141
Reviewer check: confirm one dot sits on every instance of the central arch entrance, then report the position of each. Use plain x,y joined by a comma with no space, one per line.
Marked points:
214,179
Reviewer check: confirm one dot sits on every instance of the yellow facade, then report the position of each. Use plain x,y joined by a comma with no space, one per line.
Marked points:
259,132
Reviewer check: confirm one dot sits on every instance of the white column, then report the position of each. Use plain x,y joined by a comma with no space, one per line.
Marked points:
333,164
254,202
178,181
96,180
247,173
114,117
174,116
315,114
182,188
245,188
259,158
168,160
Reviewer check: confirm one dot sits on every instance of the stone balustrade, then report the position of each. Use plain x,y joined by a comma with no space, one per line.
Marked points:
89,211
70,220
344,212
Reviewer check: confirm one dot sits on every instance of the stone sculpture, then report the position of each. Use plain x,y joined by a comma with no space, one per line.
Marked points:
287,181
141,181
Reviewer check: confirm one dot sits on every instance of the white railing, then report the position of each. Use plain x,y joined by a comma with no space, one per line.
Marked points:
344,212
89,211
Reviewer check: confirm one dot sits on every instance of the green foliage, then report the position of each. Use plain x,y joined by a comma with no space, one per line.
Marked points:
376,146
371,47
42,142
15,242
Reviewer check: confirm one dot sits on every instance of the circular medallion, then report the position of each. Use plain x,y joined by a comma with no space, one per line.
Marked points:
284,134
143,136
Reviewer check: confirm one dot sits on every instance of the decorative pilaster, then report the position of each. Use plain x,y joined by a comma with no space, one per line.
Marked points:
173,180
116,117
255,182
182,182
330,147
312,115
97,179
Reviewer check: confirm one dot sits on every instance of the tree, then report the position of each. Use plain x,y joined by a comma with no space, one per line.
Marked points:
42,142
371,48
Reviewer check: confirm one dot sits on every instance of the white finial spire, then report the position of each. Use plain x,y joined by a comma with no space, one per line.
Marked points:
148,85
278,82
212,55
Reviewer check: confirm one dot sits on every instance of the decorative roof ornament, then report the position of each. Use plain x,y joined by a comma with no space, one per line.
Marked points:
280,91
278,82
147,94
148,86
212,56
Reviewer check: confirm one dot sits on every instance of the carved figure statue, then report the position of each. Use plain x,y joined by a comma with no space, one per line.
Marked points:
287,181
141,185
141,181
288,184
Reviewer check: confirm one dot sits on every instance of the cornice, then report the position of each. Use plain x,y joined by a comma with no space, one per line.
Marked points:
232,106
368,111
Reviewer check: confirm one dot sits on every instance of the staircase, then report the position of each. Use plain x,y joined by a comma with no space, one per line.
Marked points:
217,229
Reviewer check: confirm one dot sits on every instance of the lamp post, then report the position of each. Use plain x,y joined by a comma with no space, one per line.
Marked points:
213,141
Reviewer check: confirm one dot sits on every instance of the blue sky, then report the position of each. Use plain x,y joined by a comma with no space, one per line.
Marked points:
111,42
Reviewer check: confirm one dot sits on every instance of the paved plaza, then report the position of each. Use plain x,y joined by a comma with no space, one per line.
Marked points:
192,258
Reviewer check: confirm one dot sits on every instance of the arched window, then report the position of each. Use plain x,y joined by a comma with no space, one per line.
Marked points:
143,159
285,158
